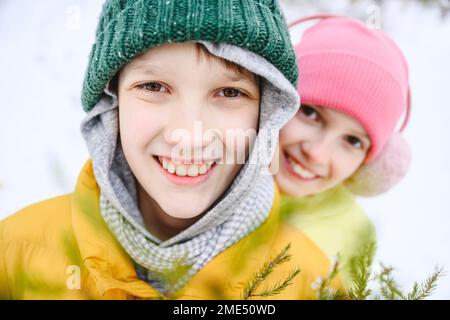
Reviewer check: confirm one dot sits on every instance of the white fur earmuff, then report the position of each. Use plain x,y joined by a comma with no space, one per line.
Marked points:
383,172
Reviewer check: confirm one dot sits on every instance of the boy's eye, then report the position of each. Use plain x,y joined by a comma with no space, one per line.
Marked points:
354,142
309,112
230,93
152,86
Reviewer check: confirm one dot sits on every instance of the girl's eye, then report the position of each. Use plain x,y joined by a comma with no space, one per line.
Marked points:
309,112
354,142
230,93
152,87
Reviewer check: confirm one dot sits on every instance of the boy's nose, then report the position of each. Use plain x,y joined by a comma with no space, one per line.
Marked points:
187,133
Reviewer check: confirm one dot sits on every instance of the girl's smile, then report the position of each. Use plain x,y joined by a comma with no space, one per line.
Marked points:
297,169
320,148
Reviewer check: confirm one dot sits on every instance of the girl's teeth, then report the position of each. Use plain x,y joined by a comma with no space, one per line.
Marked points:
301,171
185,170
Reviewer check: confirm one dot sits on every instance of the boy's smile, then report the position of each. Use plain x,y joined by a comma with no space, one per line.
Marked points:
186,172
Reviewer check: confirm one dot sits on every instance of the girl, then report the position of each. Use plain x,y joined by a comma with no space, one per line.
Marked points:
353,87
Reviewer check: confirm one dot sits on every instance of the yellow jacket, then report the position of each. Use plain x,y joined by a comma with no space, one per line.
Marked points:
61,248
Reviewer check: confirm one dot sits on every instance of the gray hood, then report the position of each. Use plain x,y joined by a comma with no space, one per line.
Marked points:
245,204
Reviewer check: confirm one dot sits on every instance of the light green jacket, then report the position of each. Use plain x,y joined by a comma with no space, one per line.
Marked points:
334,221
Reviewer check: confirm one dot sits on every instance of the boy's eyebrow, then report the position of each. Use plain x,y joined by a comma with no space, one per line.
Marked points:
145,68
152,69
236,77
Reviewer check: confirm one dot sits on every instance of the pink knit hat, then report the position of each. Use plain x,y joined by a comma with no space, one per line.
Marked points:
346,66
351,68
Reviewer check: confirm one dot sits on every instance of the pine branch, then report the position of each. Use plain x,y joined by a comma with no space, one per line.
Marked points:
325,292
268,267
264,272
280,286
389,288
362,273
425,289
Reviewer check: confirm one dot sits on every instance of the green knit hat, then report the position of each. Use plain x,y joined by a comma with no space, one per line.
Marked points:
127,28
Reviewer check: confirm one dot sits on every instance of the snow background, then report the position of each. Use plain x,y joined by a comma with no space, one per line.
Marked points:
44,47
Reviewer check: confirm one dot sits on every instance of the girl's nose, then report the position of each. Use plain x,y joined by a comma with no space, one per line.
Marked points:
317,151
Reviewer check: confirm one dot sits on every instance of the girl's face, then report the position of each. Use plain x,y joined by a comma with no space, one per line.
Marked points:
319,148
175,107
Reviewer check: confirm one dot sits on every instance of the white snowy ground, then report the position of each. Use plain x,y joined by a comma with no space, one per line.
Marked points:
44,46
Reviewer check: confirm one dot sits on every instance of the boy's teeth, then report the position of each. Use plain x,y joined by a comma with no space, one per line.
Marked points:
181,170
301,171
193,171
171,167
203,168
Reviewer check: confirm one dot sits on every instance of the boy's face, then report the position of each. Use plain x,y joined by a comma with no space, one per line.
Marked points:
176,104
320,148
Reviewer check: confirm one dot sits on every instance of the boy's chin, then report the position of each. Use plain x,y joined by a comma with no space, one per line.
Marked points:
184,210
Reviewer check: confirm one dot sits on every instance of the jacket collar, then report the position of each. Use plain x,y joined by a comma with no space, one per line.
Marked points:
107,262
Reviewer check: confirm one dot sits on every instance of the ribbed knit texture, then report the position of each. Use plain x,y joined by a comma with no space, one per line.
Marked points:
356,70
129,27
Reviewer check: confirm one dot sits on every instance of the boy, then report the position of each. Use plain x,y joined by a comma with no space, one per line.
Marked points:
160,211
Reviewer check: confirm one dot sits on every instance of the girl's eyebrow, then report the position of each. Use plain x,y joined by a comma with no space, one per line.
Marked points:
327,113
360,134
